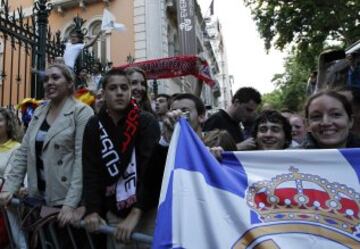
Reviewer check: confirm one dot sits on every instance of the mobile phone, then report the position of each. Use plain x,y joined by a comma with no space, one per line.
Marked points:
334,55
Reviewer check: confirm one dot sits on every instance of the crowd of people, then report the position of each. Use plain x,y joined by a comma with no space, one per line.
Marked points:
104,163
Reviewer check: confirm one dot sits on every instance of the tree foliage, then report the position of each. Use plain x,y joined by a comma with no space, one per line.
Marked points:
290,86
306,23
305,26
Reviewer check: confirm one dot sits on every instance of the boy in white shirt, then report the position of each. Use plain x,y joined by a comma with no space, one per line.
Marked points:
75,45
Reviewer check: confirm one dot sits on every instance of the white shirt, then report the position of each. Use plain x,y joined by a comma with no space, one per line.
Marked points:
72,51
96,79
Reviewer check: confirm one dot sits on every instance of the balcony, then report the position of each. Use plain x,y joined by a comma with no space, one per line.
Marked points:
61,5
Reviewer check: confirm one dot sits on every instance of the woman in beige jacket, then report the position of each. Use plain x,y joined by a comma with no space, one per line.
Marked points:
51,149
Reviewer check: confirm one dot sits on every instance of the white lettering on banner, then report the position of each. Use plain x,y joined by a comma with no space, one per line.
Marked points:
126,186
109,152
107,145
185,22
186,25
103,132
183,8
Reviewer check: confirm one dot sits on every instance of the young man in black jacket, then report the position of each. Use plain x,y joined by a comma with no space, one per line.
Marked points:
118,145
242,109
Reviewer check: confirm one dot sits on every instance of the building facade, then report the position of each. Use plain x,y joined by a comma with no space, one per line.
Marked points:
152,31
216,38
112,46
157,35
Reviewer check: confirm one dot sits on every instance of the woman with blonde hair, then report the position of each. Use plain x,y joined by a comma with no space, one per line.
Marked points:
51,150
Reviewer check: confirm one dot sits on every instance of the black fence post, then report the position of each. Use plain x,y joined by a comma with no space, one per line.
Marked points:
155,87
42,8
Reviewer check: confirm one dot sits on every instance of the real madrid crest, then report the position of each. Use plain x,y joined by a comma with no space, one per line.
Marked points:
302,205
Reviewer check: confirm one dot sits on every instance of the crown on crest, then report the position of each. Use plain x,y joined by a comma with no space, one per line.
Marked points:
305,197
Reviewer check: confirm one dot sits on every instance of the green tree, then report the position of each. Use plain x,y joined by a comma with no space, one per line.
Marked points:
274,99
306,23
305,26
290,86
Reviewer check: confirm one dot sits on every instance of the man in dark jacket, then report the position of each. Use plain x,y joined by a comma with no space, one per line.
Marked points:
242,109
118,145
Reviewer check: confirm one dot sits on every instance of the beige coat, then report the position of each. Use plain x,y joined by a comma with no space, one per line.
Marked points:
62,155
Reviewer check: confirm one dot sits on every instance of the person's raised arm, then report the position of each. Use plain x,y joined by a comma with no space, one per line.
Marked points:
93,40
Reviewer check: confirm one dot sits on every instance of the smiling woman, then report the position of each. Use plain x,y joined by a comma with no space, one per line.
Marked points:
139,87
50,153
58,83
329,120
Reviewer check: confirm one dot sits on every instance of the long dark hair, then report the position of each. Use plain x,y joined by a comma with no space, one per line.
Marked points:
145,103
12,127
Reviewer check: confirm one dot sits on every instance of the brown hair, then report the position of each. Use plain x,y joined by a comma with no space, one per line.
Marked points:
221,138
145,103
12,127
331,93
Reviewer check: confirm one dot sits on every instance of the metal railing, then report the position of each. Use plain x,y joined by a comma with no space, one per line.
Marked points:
48,236
26,43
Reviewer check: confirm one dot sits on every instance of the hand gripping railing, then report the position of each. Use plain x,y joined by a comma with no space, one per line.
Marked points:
105,229
110,230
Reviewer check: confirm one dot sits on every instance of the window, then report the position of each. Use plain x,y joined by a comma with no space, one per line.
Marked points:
99,48
67,32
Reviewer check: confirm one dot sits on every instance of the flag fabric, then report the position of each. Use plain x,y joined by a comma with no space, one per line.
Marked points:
85,95
176,66
108,22
257,199
212,8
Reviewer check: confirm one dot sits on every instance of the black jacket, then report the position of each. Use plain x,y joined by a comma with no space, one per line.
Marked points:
95,175
222,121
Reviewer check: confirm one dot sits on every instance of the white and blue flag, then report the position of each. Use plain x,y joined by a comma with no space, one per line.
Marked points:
257,199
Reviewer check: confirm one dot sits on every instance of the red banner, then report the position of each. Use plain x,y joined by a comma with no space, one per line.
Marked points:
175,67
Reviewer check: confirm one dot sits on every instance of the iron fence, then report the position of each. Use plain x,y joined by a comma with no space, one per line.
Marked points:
26,43
48,237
